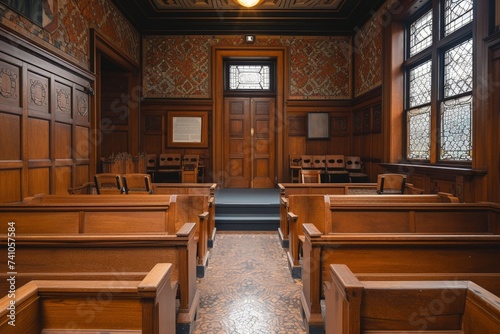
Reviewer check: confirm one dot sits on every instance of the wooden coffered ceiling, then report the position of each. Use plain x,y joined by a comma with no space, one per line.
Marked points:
275,17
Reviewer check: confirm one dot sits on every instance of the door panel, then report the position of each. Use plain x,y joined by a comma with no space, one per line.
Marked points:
249,157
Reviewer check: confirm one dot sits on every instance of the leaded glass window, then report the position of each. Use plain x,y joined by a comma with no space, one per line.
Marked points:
420,33
419,128
249,77
420,85
456,130
458,69
457,13
439,83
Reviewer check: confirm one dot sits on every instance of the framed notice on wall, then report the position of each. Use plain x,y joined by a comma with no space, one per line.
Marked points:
318,125
187,129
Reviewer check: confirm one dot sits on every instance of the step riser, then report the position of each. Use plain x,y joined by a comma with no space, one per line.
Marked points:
246,211
235,212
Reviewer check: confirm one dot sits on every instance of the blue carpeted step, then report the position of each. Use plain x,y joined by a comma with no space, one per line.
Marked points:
247,209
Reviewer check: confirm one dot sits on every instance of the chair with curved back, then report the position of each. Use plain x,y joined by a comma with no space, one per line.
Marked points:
137,183
108,183
391,183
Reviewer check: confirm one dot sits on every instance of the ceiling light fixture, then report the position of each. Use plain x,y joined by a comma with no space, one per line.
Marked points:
248,3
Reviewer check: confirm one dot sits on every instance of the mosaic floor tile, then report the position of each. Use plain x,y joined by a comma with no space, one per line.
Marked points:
247,288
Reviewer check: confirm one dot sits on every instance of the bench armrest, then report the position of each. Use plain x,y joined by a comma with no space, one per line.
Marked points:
311,230
186,230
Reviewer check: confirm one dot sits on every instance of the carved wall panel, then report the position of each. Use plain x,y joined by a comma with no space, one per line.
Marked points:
52,128
63,101
339,126
38,93
9,89
297,126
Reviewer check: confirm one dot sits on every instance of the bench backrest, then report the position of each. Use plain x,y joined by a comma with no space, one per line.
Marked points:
354,306
88,214
288,189
146,306
403,217
185,188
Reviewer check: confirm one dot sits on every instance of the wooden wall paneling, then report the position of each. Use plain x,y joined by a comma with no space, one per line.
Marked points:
10,137
38,181
81,174
62,139
81,139
10,183
62,179
42,99
152,129
11,122
114,142
39,135
10,90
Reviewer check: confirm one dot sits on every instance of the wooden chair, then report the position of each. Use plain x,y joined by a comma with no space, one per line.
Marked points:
137,183
108,183
170,163
190,168
310,176
151,162
391,183
294,164
355,169
335,169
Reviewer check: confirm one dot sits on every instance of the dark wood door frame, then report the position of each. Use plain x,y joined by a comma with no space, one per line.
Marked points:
219,54
99,45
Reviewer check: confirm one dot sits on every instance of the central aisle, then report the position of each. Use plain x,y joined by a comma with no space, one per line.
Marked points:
248,288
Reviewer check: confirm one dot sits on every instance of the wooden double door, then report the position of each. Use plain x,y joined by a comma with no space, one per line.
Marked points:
249,142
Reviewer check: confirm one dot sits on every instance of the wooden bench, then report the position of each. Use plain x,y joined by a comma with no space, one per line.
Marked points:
473,254
319,210
115,214
111,306
288,189
98,256
193,188
356,305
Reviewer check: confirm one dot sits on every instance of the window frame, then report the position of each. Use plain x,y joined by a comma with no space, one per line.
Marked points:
252,62
436,53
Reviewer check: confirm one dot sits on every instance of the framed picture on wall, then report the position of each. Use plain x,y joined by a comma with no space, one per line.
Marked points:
318,125
187,129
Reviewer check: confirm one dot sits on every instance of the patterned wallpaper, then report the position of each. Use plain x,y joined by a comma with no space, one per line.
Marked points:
68,33
367,48
179,66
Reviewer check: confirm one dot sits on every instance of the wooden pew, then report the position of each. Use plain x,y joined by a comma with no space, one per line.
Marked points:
74,239
355,306
103,256
474,254
319,210
114,214
193,188
288,189
74,306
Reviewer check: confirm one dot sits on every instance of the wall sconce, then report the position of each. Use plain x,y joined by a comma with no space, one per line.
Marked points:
248,3
249,39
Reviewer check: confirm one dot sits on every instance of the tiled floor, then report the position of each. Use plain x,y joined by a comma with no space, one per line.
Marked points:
247,288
